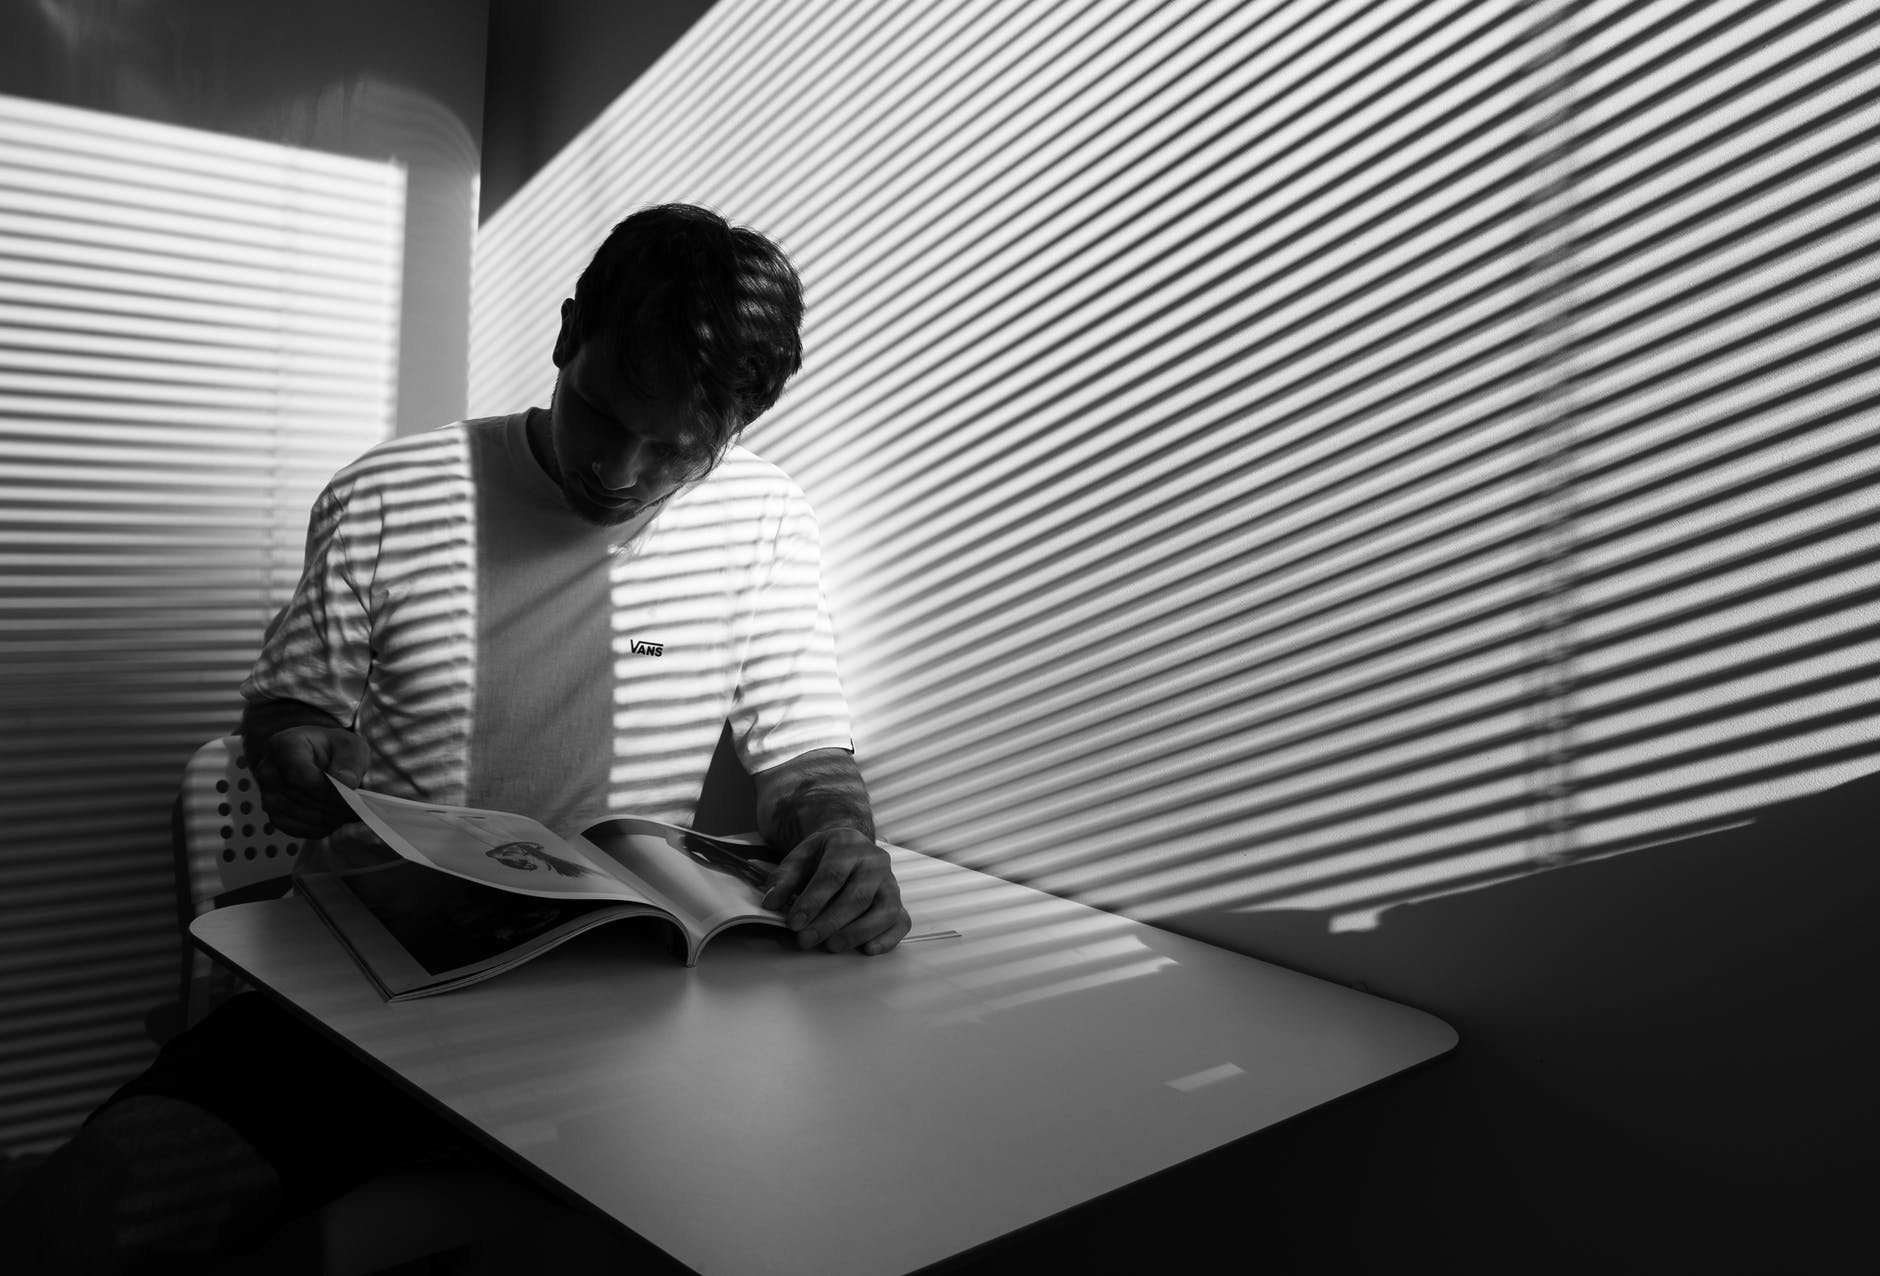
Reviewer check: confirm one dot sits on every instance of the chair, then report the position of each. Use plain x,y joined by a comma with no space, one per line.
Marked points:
228,852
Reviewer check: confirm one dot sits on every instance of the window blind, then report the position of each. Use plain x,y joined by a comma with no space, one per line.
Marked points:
1308,455
195,331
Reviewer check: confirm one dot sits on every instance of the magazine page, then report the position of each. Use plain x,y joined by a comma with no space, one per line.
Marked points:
709,880
494,848
416,931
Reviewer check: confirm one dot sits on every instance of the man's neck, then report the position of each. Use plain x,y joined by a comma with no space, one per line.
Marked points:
537,426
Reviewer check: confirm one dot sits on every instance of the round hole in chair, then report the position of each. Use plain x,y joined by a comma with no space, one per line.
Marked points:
248,852
221,786
269,850
293,848
247,807
221,808
242,784
228,834
248,830
228,855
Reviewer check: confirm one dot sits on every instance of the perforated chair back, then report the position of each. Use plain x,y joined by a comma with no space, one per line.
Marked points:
227,851
231,843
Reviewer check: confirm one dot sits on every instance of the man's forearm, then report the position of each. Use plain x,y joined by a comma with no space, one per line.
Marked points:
814,793
261,719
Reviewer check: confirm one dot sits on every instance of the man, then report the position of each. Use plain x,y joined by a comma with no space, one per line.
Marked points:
556,613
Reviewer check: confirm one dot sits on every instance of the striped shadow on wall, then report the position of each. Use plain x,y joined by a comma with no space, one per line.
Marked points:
1311,455
195,331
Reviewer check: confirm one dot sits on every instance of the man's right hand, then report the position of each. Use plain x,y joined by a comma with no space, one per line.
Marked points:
291,771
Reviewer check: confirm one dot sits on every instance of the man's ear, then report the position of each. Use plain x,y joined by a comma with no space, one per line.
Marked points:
565,339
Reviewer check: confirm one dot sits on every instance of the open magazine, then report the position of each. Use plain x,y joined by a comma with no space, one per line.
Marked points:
471,893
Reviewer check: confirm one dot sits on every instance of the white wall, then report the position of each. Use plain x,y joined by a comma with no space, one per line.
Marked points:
400,81
162,606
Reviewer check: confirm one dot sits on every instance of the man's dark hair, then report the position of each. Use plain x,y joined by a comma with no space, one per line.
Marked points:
699,310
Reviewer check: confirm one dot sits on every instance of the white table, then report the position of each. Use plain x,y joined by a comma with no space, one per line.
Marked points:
778,1111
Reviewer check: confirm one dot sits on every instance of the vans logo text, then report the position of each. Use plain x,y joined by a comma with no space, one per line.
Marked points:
643,648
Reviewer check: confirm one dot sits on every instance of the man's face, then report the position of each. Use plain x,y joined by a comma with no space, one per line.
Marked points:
616,453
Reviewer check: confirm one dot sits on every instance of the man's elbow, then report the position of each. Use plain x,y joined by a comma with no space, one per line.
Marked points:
261,719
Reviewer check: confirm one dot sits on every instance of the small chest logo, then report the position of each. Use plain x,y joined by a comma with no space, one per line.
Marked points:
641,647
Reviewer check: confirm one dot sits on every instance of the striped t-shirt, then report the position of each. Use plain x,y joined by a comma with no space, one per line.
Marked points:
495,651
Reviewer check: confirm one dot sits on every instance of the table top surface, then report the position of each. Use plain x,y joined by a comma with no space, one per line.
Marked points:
773,1110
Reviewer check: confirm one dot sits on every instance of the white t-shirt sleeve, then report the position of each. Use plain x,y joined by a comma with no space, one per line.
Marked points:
318,649
789,694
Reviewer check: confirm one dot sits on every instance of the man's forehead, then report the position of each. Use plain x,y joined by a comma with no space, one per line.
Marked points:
602,377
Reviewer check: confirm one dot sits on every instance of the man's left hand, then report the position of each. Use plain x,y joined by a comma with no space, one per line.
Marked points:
848,896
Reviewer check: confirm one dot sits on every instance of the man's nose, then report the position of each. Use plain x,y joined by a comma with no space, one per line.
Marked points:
621,468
